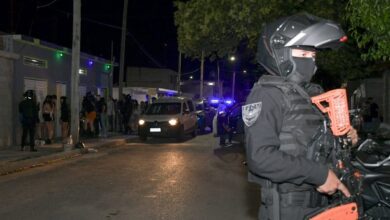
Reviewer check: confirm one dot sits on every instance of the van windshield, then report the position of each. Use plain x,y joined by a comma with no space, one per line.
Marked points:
199,106
164,109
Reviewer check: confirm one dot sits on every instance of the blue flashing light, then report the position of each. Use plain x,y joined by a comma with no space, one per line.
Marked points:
221,108
90,62
214,101
229,101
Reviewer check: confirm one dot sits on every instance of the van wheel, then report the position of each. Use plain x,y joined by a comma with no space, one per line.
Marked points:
143,137
180,134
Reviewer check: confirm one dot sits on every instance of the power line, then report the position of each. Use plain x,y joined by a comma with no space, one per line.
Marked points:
46,5
139,45
187,73
145,52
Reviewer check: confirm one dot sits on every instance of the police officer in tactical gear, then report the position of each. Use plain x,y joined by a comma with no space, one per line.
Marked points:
29,116
282,124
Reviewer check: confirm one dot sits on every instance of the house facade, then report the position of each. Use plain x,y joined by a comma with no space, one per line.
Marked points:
29,63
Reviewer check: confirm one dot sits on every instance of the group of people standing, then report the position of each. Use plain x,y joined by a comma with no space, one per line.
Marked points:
99,116
38,119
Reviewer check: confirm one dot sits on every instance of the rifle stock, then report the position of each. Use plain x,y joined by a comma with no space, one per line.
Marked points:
335,104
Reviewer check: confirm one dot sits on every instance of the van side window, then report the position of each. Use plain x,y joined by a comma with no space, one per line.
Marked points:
190,105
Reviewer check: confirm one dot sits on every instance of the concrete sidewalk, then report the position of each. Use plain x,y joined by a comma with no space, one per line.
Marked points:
13,160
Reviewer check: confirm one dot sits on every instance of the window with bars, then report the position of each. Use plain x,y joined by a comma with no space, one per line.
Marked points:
31,61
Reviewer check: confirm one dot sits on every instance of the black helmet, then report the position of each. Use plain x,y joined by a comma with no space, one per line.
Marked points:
29,94
63,99
302,31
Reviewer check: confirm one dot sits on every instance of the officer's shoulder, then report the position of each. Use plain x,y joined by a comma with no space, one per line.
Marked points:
270,81
266,89
265,94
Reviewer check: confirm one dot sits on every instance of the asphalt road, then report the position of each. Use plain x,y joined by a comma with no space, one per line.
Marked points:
159,179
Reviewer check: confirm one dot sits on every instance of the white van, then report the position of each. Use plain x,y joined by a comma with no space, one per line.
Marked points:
168,117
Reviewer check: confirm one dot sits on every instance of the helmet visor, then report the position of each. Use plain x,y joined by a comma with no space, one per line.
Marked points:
322,35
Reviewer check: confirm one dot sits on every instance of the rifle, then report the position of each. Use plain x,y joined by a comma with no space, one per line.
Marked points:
334,104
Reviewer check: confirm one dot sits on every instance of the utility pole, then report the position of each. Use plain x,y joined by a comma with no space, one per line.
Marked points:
12,17
123,49
201,74
233,84
233,60
111,78
218,84
179,73
75,99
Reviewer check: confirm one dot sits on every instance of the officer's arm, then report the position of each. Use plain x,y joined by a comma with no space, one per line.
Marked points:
262,140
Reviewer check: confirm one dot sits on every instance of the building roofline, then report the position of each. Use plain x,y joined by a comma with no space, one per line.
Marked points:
54,47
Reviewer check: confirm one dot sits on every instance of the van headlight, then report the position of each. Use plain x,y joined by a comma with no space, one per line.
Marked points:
173,121
141,122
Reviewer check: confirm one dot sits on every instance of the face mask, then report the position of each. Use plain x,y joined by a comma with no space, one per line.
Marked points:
305,69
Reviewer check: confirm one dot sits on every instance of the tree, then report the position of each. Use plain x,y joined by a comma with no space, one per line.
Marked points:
338,66
369,24
219,27
209,28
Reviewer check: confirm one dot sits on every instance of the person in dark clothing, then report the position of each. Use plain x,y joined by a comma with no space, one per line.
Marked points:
29,117
371,120
127,110
374,110
121,111
224,130
65,118
111,113
103,119
280,120
48,116
90,112
97,123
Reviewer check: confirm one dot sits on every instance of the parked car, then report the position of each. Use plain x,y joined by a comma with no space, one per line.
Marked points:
205,114
168,117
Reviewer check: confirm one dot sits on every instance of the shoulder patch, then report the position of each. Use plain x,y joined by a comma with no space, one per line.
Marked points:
250,113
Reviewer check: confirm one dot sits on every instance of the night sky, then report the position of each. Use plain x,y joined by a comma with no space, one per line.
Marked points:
151,40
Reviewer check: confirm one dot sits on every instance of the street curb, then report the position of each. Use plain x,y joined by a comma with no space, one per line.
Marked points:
56,157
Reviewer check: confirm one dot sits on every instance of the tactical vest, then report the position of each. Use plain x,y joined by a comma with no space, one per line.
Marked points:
28,108
303,125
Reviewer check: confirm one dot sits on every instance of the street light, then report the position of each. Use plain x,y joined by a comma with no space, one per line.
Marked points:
233,59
